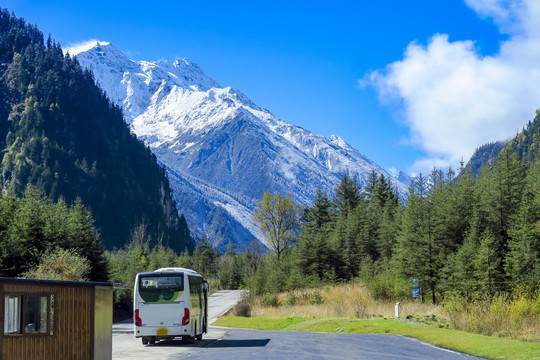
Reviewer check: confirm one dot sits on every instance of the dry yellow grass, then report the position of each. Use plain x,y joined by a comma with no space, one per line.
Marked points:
351,300
502,316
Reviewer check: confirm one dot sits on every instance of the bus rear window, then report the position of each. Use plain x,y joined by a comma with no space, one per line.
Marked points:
161,288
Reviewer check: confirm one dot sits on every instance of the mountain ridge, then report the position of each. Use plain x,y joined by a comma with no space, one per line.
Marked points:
218,137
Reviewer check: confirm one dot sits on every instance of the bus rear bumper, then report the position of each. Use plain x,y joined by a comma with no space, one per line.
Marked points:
161,332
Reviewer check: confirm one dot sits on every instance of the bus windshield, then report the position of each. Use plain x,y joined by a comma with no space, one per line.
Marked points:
161,287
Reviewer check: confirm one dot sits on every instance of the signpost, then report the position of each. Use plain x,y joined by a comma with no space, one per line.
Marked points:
416,288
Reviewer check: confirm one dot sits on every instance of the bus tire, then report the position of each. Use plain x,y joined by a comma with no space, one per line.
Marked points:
193,338
145,341
152,341
198,337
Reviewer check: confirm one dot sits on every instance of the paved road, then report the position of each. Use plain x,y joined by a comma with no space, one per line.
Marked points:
126,346
238,344
221,302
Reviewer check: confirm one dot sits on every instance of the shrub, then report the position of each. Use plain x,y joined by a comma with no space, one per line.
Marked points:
61,264
502,315
270,300
243,308
316,299
386,287
292,299
454,307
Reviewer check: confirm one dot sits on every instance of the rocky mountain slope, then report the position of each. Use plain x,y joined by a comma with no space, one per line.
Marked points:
222,151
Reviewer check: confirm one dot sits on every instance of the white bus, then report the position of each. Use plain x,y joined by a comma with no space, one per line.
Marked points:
169,303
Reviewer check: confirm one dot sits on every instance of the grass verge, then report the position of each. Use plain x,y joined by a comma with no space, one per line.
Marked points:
473,344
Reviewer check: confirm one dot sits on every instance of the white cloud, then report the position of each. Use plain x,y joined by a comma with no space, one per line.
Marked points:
77,48
507,14
454,99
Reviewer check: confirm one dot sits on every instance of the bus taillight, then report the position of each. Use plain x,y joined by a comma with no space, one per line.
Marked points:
138,320
185,319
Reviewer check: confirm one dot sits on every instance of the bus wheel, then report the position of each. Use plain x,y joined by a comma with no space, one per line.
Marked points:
145,341
192,339
152,341
199,337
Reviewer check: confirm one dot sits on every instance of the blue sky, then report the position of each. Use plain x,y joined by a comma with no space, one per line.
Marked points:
411,84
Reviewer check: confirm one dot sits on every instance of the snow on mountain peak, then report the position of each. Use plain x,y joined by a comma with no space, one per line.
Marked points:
84,46
222,151
338,140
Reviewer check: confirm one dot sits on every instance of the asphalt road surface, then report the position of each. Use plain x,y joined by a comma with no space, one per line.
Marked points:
126,346
237,344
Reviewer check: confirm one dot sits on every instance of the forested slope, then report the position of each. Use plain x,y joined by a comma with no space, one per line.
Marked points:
60,133
527,143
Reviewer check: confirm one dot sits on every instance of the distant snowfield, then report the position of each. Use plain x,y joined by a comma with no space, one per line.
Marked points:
221,150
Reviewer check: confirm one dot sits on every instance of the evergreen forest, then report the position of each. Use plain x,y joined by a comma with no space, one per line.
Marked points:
60,134
78,187
475,236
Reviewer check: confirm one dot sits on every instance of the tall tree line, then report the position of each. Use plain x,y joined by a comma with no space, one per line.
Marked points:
475,235
60,133
34,225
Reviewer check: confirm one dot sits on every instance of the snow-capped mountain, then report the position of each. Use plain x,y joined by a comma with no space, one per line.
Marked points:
404,178
222,152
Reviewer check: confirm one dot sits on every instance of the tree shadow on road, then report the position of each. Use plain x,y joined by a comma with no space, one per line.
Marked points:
215,343
241,343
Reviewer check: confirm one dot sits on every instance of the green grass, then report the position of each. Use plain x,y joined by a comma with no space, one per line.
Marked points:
473,344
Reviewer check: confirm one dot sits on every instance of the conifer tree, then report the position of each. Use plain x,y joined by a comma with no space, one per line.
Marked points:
314,254
347,195
499,191
204,258
161,256
84,236
523,259
489,264
61,134
229,271
319,214
417,251
185,260
339,246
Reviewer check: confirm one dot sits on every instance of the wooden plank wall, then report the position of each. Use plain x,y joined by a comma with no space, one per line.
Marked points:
73,324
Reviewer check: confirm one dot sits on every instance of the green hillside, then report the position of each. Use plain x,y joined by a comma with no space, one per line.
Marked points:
527,143
60,133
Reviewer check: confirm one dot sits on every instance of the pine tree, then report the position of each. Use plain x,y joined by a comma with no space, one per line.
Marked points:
523,259
339,246
84,236
161,256
185,260
489,264
204,258
319,214
347,195
417,251
229,273
499,191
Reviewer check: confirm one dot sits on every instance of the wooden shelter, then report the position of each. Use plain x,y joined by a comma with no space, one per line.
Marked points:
47,319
